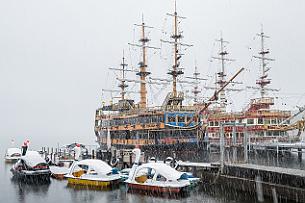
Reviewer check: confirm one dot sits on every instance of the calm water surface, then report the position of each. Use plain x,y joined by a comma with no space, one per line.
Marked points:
57,191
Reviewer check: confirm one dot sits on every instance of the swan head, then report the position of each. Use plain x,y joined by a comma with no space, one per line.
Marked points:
136,151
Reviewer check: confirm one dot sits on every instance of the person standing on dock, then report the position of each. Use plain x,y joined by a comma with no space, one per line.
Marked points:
24,147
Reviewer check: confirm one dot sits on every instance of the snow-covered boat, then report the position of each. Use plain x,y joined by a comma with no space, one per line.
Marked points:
93,173
59,172
12,155
157,178
31,167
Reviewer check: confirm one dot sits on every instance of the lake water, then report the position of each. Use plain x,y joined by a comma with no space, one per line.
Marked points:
57,191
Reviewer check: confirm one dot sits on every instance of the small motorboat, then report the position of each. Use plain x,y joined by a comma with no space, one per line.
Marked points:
12,155
93,173
157,178
31,167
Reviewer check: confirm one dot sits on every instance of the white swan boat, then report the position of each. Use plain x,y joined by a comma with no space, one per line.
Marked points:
93,173
12,155
156,178
31,167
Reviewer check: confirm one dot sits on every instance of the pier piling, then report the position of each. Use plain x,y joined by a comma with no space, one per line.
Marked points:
300,154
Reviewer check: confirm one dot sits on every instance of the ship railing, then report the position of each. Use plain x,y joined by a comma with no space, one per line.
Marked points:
268,113
181,108
264,100
271,113
149,110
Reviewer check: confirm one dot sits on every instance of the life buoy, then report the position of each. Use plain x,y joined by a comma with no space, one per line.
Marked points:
114,162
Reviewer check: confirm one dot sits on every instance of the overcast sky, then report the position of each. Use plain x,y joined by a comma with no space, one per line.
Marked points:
55,55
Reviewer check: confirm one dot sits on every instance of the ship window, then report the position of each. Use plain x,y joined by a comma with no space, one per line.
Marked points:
171,119
181,119
250,121
216,123
279,120
211,123
273,121
260,121
266,121
276,133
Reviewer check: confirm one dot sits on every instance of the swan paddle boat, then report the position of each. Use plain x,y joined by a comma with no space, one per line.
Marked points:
31,167
93,173
12,155
157,178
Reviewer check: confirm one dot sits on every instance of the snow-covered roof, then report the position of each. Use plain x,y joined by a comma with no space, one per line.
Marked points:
163,169
32,158
11,151
98,166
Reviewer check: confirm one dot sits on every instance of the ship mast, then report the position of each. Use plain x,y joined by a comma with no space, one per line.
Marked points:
263,81
123,85
196,90
175,71
196,83
221,79
176,37
143,73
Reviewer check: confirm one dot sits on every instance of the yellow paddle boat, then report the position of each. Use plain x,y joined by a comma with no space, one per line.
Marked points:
93,173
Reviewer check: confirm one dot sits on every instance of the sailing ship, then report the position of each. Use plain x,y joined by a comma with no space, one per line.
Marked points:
130,124
174,126
259,119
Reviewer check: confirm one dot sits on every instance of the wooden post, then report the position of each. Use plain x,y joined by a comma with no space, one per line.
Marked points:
277,154
234,144
274,195
245,146
130,159
221,144
300,154
93,154
259,189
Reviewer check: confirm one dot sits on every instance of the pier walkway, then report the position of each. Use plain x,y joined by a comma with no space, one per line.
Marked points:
273,169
